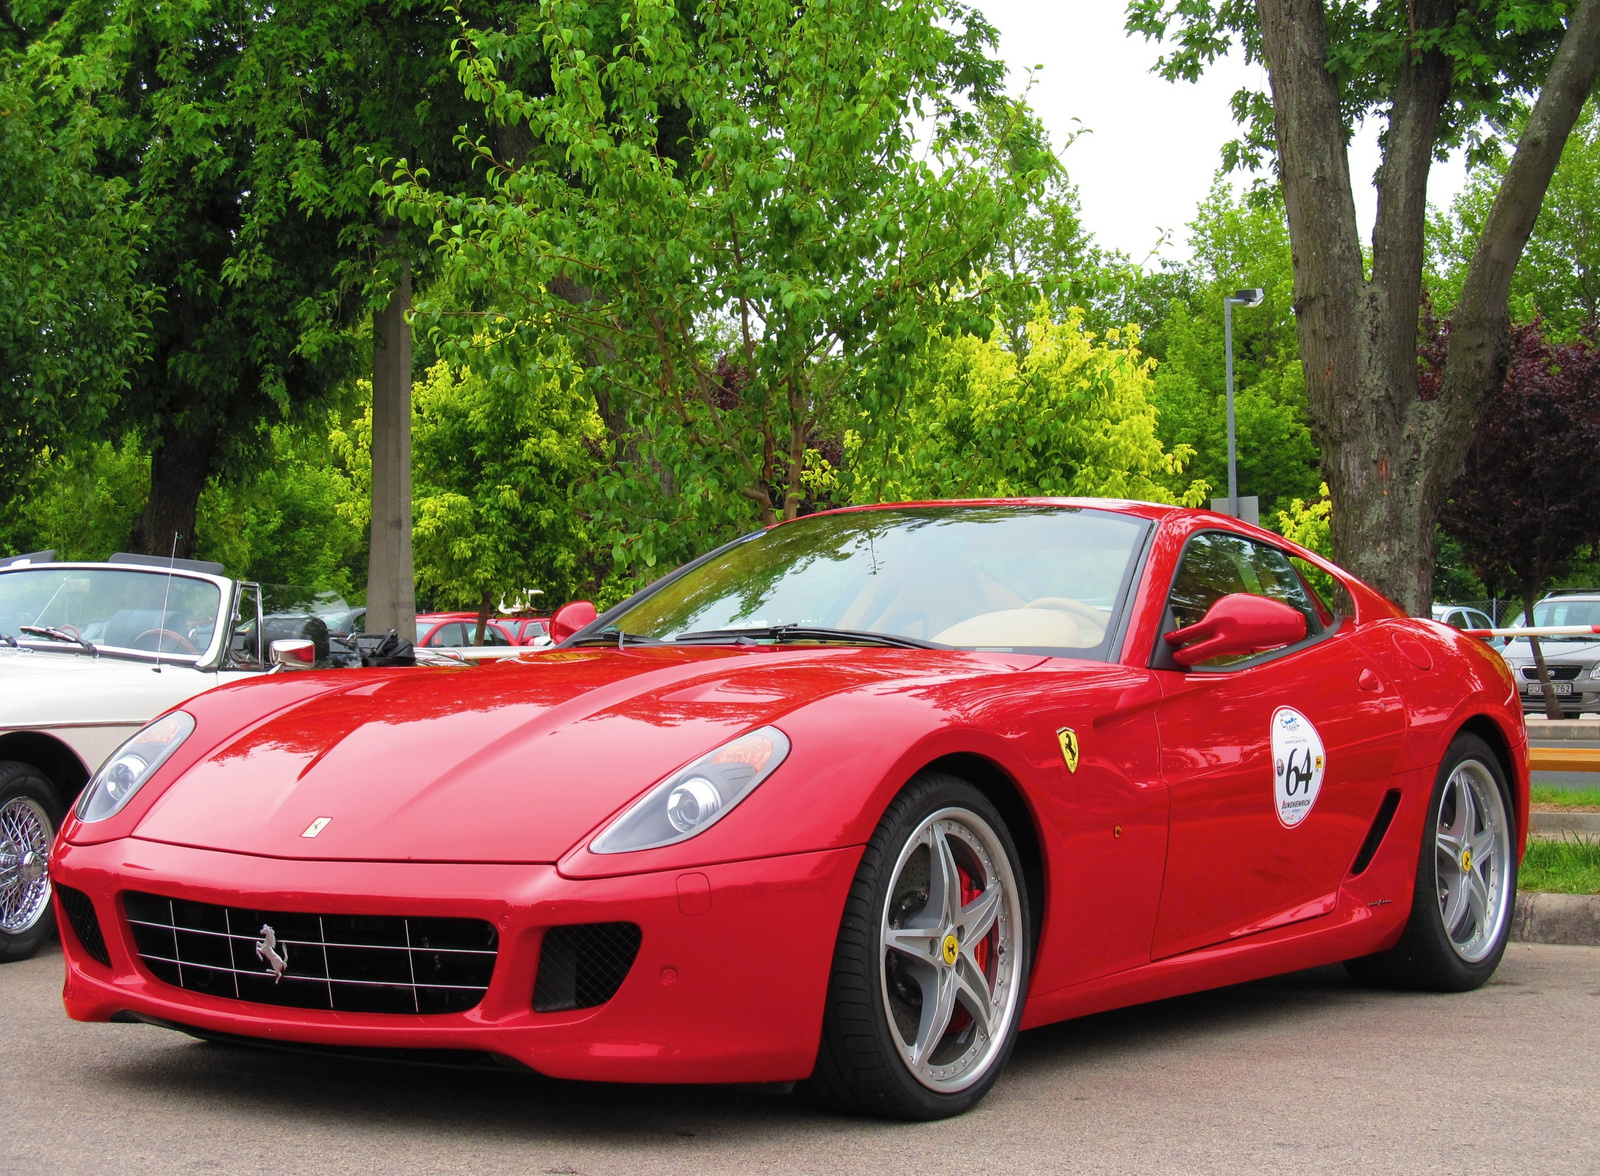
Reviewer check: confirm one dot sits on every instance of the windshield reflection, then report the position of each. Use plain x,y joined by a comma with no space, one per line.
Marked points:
1013,578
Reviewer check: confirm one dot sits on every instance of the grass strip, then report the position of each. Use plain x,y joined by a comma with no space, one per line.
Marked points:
1570,865
1566,797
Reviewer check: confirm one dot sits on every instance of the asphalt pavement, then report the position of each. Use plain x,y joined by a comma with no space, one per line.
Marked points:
1305,1073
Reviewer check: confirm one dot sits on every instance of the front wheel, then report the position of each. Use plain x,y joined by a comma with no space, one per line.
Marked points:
1466,881
931,965
29,815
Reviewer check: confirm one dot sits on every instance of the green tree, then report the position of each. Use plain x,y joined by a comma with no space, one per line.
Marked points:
1558,279
501,460
1439,74
743,219
1074,417
74,310
1238,243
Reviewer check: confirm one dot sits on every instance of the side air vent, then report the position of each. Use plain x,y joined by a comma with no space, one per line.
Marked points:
583,966
79,908
1380,826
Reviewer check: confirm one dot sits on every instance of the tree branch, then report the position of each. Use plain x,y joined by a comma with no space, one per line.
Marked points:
1478,339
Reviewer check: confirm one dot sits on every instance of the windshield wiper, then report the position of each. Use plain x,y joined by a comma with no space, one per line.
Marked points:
57,634
8,639
798,632
619,638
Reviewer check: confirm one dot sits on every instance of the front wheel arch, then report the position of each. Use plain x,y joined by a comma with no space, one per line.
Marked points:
49,756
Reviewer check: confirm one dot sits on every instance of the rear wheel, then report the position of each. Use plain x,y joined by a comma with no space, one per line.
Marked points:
931,965
1466,881
30,813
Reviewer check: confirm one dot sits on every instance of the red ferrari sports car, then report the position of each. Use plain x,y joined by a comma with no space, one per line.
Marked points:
847,802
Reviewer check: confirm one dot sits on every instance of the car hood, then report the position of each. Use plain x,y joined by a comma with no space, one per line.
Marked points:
515,762
50,688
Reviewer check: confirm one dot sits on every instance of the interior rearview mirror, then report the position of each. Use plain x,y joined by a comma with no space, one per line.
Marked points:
569,618
1236,626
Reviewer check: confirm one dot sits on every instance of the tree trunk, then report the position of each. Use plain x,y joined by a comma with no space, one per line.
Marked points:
391,576
483,617
179,467
1388,455
1552,705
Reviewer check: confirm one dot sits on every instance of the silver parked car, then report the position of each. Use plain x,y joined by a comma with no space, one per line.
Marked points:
1574,662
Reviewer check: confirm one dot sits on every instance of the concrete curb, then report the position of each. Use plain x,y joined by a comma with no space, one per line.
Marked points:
1541,728
1563,824
1572,919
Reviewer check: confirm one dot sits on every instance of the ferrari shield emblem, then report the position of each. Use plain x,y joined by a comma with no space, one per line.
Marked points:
1069,747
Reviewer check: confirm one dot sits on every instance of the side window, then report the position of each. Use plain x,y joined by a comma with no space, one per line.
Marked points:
244,636
1216,564
492,634
447,636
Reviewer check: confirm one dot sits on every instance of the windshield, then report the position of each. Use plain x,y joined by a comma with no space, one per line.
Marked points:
1559,611
112,608
1009,578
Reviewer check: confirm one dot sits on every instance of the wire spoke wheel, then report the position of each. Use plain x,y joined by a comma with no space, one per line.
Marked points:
949,950
1472,860
25,835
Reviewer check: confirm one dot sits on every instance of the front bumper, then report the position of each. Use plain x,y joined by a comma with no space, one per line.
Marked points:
732,992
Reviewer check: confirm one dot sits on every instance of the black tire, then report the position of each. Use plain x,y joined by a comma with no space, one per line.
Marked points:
26,795
1426,958
860,1067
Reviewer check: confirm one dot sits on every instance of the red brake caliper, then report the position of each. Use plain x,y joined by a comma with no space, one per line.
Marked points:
962,1018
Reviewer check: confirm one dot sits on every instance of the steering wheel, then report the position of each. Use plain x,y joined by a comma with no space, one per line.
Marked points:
158,634
72,630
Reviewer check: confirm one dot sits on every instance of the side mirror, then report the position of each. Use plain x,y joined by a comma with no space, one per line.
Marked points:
1237,625
294,655
569,619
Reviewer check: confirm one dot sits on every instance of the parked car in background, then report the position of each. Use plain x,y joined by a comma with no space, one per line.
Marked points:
1463,616
456,630
1573,662
90,653
528,630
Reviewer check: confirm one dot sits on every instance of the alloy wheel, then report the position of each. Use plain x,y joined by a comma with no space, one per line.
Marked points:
949,950
1472,856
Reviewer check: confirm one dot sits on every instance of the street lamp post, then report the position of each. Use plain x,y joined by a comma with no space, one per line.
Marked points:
1238,298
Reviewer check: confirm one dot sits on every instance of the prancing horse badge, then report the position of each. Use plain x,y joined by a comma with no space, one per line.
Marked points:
1069,747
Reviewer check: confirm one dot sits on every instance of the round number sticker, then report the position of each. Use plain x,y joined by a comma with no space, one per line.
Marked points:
1298,763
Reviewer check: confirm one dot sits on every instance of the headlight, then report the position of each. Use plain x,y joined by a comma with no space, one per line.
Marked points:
132,764
1594,671
691,800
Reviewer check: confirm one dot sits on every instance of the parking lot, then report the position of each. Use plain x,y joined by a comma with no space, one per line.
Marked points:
1301,1074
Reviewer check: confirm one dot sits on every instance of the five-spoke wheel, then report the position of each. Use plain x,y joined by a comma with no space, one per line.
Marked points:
1466,880
931,966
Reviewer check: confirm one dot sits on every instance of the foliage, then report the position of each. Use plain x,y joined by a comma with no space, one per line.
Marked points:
1309,523
1528,501
742,219
1073,417
80,502
300,521
74,311
1237,244
1566,797
499,455
1558,279
1570,865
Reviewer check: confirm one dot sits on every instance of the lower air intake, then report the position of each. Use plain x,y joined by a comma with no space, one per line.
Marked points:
348,963
584,965
79,908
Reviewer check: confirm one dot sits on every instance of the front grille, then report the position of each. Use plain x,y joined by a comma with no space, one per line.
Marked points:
583,966
85,923
349,963
1557,673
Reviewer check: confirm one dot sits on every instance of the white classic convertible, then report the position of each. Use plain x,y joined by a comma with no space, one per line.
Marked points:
89,653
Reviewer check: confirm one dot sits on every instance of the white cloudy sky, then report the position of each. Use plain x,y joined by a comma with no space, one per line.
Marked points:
1153,145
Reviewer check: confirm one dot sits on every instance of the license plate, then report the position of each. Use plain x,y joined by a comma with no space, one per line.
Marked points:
1558,687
